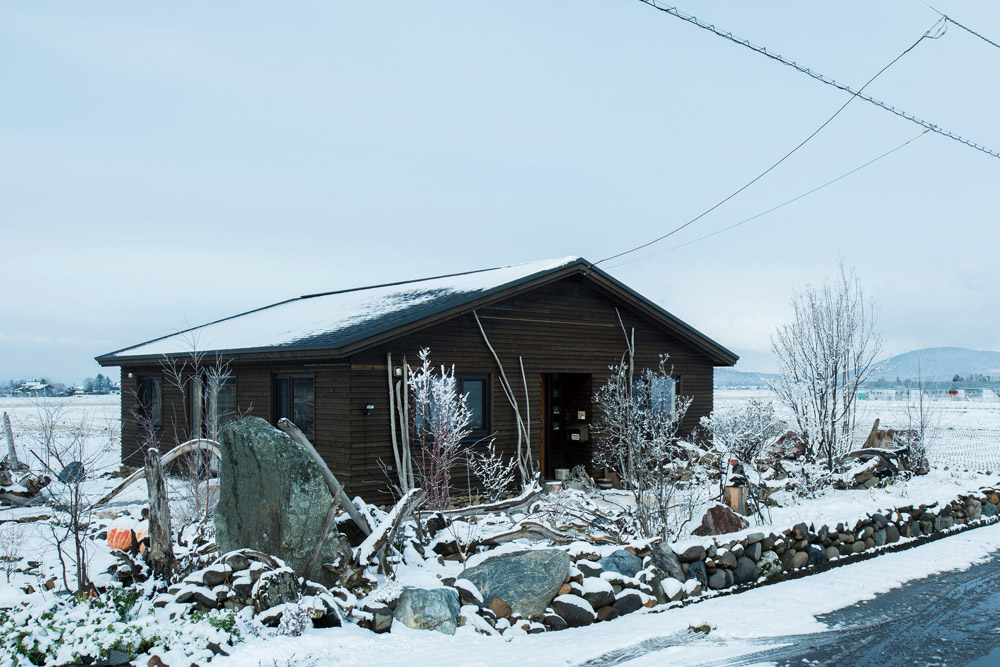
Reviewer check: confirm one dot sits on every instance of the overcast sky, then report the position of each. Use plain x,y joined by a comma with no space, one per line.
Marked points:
165,165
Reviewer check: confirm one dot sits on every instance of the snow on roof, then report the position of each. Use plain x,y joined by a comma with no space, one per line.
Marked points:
333,319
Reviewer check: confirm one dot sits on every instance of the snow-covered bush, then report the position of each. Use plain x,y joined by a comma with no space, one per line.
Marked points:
495,474
441,420
743,431
639,424
77,630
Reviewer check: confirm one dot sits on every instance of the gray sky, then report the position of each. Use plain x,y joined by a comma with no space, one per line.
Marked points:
166,165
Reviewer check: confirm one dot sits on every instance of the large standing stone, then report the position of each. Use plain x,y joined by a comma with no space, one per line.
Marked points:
624,563
272,497
428,609
527,580
719,520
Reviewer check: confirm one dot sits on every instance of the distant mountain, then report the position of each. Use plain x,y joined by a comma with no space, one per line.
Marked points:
941,363
732,378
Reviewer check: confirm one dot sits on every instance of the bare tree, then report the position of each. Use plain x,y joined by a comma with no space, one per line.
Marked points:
64,452
824,356
923,418
441,419
640,422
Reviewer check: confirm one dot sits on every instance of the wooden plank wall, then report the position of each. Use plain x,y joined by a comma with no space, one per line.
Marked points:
567,327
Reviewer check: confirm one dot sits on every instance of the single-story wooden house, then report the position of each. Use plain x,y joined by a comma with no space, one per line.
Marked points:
322,361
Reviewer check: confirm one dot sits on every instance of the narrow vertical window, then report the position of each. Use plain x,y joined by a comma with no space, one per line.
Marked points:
294,399
150,401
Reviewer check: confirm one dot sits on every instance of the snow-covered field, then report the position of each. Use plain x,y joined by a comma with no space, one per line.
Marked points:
965,434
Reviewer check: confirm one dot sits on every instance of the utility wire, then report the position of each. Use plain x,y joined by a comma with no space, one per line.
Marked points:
854,95
673,11
963,27
774,208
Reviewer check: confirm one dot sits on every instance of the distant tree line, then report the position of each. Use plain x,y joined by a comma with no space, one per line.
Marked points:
42,387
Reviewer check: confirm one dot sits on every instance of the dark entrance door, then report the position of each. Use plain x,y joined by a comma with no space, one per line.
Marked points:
567,421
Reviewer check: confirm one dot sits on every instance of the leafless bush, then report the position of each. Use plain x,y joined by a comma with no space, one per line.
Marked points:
441,419
495,473
743,432
11,540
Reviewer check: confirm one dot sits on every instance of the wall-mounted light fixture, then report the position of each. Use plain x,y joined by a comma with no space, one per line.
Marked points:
369,408
398,371
131,375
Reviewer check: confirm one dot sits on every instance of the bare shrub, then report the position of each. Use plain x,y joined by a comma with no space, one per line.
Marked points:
495,473
744,431
441,420
640,421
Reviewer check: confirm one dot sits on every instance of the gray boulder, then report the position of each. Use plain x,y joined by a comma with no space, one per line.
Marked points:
746,571
272,497
275,588
428,609
698,572
665,559
527,580
624,563
576,611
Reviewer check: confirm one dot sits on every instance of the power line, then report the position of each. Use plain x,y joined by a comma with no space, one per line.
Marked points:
673,11
963,27
774,208
759,176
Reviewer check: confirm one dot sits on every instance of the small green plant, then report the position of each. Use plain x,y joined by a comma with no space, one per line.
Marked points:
702,629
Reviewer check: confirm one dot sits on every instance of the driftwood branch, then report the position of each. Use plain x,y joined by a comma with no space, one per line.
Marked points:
336,488
385,533
534,531
323,537
196,445
522,501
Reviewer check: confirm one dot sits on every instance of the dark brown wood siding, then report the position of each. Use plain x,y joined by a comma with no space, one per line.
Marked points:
566,327
253,396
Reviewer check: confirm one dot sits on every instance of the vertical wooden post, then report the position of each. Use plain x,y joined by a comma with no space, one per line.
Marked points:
161,550
12,462
736,498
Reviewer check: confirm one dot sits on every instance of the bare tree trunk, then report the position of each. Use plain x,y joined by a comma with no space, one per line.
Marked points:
161,551
12,462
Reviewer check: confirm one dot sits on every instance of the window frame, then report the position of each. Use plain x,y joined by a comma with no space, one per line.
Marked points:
147,409
487,380
290,378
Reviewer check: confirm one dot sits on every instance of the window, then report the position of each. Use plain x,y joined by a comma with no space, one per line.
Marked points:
477,389
149,397
657,393
200,404
294,400
662,394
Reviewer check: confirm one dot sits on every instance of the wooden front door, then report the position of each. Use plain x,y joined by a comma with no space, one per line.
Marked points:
567,405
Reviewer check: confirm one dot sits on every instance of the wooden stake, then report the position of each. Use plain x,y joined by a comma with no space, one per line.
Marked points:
161,550
12,462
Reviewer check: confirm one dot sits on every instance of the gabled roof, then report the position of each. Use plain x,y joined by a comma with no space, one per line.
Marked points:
343,322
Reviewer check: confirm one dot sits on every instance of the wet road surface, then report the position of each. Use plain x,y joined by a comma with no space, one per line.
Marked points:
945,620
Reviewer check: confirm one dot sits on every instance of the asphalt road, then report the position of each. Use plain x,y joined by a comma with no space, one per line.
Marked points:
950,619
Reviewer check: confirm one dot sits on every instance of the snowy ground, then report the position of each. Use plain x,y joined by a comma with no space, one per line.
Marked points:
967,444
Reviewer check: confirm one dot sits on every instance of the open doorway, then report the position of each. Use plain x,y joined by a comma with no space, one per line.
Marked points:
566,438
